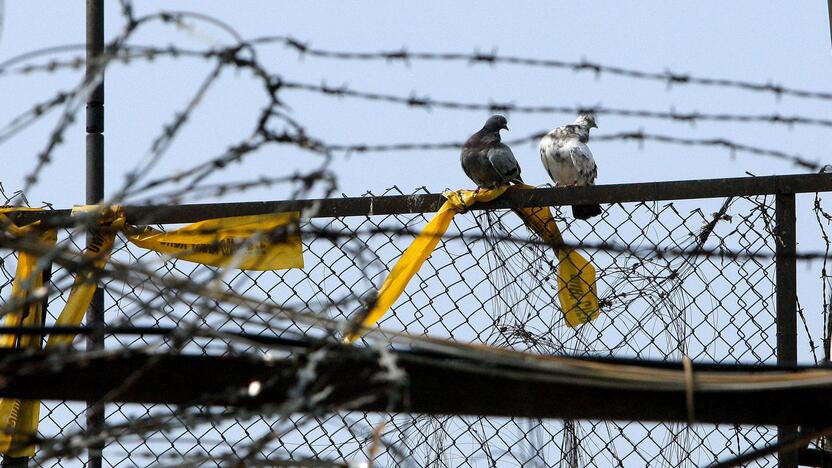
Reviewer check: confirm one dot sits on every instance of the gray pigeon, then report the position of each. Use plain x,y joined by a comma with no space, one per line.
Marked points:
486,160
568,160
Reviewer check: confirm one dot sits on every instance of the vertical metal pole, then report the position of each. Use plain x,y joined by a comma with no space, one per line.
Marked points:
95,186
786,291
829,11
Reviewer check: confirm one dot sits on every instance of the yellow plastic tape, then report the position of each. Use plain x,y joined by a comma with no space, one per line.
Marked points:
19,418
245,242
84,286
577,290
412,259
98,251
13,229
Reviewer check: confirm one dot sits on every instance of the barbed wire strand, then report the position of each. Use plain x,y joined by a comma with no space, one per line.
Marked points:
667,77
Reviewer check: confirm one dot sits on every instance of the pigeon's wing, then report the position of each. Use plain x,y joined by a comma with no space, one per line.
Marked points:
465,158
584,164
547,153
503,161
556,154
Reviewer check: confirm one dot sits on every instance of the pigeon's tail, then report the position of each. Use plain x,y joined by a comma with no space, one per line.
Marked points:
585,211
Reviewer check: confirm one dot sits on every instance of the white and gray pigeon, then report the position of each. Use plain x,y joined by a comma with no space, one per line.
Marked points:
569,161
488,161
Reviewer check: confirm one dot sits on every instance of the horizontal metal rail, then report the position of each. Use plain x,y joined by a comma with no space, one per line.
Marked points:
467,387
403,204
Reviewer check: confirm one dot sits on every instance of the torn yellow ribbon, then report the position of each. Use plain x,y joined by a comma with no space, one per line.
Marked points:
577,289
110,221
19,418
412,259
244,242
216,242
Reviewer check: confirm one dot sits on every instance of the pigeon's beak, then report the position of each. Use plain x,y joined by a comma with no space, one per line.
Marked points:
505,127
593,125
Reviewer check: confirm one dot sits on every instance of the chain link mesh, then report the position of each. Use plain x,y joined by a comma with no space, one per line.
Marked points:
484,290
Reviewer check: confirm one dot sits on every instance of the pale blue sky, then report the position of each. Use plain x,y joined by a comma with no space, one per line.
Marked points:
785,42
757,41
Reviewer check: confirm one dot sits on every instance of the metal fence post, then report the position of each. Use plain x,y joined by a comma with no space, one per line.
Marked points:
786,293
829,11
95,185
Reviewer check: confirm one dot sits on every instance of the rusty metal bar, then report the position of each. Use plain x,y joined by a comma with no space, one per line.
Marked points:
619,193
402,204
467,386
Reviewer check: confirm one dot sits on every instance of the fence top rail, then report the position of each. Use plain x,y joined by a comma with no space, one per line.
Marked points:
422,203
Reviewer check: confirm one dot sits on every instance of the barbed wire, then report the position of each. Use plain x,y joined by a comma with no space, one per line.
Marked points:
30,116
197,191
427,103
5,66
655,252
635,135
273,83
304,49
307,142
667,77
734,147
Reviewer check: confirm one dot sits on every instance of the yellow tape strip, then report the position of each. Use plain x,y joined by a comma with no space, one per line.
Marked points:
19,418
245,242
577,290
84,286
412,259
577,286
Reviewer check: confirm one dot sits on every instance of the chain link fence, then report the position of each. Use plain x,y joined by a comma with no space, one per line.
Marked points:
476,287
